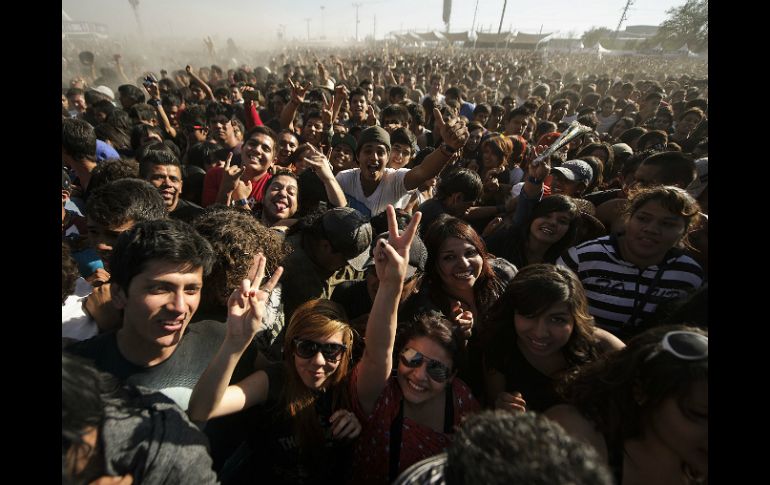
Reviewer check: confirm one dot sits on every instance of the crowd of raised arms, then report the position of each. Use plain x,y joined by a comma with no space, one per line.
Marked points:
359,266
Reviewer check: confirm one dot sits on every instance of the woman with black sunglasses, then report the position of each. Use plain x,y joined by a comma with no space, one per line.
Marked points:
301,432
645,408
410,416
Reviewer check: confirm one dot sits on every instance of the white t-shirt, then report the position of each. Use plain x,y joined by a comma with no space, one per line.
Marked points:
390,191
75,322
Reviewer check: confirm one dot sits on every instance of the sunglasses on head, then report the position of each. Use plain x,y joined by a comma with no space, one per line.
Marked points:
435,369
683,345
307,349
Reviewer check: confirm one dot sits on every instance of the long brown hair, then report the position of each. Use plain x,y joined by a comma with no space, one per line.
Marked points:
534,290
487,288
315,319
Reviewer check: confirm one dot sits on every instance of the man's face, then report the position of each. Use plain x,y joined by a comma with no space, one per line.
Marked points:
561,185
392,123
342,157
77,103
159,303
358,106
221,130
481,117
197,93
312,131
287,144
369,88
103,238
516,125
257,153
372,159
400,155
435,87
646,175
280,200
172,113
236,96
168,180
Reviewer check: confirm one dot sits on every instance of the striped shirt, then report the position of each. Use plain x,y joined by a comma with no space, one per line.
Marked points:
622,296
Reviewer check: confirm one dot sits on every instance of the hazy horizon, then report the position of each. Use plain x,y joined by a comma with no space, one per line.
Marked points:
247,21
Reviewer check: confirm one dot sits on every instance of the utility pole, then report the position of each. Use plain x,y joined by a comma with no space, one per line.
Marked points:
622,17
357,5
323,29
505,4
374,28
308,27
473,25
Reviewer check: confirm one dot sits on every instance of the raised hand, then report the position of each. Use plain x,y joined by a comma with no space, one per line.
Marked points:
462,318
298,91
327,111
391,257
454,132
246,305
318,162
231,175
371,118
511,402
344,424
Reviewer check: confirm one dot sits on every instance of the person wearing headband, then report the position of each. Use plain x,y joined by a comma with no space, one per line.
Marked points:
645,408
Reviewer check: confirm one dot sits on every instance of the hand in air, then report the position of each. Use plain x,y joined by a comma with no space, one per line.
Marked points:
246,305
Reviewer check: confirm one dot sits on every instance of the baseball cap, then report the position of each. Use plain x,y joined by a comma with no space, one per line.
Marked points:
576,171
418,255
349,232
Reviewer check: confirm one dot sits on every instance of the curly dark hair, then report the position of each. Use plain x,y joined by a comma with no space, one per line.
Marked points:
236,237
617,393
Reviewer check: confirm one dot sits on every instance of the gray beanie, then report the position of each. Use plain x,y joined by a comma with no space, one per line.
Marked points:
376,134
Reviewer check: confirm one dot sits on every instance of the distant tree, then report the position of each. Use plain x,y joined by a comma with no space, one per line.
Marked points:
594,35
687,24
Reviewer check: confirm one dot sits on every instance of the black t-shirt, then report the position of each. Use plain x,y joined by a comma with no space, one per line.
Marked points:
430,209
537,389
186,211
275,455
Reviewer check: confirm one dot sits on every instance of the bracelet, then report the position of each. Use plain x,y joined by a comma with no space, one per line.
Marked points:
241,202
533,180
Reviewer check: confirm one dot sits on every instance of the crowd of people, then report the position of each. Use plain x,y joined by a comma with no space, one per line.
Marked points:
368,268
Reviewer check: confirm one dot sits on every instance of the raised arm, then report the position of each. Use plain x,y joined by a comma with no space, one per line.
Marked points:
212,395
154,92
298,92
391,259
321,166
455,134
201,82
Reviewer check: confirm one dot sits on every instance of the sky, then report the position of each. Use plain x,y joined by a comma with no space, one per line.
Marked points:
248,20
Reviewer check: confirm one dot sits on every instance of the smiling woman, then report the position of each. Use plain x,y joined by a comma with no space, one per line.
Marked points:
626,277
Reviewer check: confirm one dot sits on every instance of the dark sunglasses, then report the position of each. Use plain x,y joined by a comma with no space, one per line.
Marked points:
435,369
683,345
307,349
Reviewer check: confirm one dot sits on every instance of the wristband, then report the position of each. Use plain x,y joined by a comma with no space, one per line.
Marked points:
154,102
533,180
241,202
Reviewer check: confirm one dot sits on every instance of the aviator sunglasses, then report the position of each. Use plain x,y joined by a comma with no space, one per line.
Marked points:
307,349
683,345
435,369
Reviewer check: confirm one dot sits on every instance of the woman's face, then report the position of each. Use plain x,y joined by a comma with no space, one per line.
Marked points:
459,264
417,386
490,156
682,426
546,334
652,230
316,370
550,228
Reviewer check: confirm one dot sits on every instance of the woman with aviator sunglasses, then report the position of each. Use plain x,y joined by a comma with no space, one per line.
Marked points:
409,416
302,431
645,408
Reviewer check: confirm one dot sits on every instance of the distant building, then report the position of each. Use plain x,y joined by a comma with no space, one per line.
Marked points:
76,29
